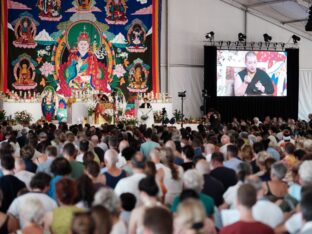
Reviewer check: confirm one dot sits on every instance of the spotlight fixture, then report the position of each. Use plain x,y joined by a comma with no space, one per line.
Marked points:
210,36
283,46
295,39
275,45
228,43
242,37
267,37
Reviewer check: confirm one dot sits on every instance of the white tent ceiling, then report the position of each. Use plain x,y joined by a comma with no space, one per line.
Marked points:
292,13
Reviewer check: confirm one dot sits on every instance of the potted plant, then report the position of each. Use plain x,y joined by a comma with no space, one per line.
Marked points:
23,117
2,115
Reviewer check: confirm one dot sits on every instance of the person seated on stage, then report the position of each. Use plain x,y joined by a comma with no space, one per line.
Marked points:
252,80
145,104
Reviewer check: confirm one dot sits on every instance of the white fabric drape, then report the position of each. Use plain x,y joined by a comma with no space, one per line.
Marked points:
305,94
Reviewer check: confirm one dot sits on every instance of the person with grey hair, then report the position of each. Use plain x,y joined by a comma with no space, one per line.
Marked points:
107,198
305,173
276,188
113,174
193,180
212,187
307,145
32,212
264,210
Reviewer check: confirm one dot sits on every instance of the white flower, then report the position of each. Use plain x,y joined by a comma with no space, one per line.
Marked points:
47,69
119,70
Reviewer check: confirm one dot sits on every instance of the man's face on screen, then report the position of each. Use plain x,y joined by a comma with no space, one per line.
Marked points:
251,63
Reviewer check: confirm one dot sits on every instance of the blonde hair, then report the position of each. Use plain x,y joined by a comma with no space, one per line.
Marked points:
190,213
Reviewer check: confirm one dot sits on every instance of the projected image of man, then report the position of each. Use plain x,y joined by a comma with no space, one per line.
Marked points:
252,80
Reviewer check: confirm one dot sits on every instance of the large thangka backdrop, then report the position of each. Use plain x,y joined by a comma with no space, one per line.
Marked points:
107,45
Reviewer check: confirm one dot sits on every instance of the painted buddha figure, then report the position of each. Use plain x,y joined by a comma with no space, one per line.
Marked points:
25,75
25,32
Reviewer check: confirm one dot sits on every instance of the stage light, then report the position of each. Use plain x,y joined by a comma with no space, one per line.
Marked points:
267,37
228,43
242,37
283,46
295,39
210,36
220,44
275,45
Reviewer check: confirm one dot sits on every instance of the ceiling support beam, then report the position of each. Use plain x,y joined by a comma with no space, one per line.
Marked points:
266,3
294,21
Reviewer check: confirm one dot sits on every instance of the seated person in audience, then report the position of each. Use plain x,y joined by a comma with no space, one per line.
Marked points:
188,156
9,184
39,186
82,223
149,196
59,220
92,170
232,161
8,224
173,175
85,192
108,198
102,218
225,175
113,174
128,201
27,154
264,210
193,180
70,153
246,199
60,168
230,195
21,173
50,155
276,189
212,187
306,210
32,212
149,144
191,218
158,220
130,184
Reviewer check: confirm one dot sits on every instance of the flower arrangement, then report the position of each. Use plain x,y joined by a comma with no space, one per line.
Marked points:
2,115
23,116
91,107
128,120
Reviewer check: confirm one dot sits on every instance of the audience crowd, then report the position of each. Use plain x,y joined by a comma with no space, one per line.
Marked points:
241,177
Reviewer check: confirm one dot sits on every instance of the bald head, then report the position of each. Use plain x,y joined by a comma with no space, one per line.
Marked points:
111,157
202,166
170,144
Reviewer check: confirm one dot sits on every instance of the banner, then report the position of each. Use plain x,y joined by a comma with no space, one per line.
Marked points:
80,45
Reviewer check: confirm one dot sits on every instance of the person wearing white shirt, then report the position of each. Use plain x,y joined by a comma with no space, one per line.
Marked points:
21,173
130,184
209,149
121,159
39,187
